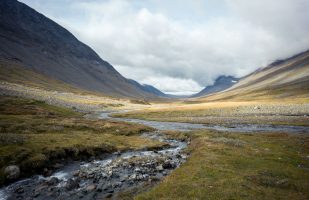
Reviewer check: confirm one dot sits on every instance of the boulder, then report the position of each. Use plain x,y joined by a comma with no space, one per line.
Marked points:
72,184
12,172
53,181
91,188
168,165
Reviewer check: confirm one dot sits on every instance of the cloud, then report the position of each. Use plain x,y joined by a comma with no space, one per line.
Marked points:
180,46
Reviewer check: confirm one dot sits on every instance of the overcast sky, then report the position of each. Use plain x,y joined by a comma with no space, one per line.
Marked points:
180,46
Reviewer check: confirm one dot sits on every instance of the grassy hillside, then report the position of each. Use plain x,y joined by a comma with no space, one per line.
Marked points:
15,73
283,80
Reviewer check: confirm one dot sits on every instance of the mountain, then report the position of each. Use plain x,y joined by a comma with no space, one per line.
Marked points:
148,88
31,40
287,78
220,84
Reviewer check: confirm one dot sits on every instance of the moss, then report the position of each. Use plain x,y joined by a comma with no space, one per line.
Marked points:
34,163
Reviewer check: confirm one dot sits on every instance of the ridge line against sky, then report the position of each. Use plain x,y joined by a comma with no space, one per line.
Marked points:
181,46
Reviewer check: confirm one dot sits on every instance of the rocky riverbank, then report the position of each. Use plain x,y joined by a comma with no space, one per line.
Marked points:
102,178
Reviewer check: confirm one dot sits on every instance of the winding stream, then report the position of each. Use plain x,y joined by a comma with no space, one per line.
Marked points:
106,177
243,128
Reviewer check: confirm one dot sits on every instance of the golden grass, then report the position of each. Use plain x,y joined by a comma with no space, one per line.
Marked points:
213,113
265,166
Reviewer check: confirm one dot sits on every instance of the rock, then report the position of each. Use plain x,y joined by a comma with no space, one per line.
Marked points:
257,108
72,184
159,168
91,188
58,165
137,169
36,194
76,173
47,172
117,184
19,190
109,195
53,181
133,176
12,172
168,165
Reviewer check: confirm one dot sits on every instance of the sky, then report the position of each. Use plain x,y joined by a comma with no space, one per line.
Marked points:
181,46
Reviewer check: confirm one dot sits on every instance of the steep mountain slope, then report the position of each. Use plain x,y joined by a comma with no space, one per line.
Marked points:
281,79
31,40
220,84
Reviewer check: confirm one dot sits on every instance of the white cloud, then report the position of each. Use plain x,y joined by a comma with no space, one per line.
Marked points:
157,43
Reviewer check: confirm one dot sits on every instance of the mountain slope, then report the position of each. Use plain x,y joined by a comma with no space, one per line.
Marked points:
282,79
37,43
148,88
220,84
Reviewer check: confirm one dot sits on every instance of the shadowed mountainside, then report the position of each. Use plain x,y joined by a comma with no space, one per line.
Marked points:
31,40
148,88
220,84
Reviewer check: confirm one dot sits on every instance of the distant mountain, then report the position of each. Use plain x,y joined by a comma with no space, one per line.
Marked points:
287,78
148,88
220,84
31,40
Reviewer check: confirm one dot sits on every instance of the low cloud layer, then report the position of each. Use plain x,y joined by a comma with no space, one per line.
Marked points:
182,46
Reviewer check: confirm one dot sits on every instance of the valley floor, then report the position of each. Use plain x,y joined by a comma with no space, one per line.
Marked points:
221,165
229,113
239,166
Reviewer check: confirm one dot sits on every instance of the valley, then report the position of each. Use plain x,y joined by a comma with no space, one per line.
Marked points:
247,152
73,127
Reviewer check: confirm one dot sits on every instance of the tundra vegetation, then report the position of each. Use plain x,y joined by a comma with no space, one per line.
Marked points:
239,166
35,135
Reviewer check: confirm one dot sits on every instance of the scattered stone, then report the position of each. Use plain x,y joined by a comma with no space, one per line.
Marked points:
257,108
159,168
91,188
72,184
12,172
109,195
58,165
103,179
168,165
19,190
76,173
53,181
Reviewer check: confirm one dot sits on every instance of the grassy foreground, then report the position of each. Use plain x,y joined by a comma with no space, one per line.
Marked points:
239,166
34,136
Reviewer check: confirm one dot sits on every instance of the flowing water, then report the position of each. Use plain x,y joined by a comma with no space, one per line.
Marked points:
243,128
107,176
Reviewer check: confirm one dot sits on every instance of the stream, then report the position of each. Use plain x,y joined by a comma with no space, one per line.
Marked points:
121,171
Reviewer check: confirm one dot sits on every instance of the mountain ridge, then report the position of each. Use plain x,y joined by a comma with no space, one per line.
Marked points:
287,78
221,83
40,44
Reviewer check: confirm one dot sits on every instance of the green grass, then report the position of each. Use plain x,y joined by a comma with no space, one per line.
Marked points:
265,166
35,135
